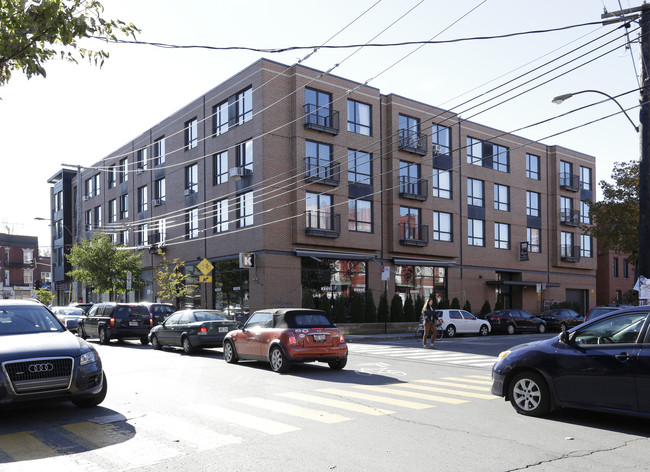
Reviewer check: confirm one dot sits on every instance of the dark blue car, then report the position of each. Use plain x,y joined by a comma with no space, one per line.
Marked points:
603,365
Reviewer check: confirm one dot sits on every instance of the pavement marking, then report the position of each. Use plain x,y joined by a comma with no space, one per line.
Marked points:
459,385
355,407
242,419
422,396
294,410
445,390
469,380
376,398
23,446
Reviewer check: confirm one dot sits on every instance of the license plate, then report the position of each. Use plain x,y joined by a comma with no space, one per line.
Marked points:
223,329
133,323
319,337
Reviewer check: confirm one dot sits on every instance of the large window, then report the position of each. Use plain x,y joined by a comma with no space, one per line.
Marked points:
220,168
534,238
245,210
486,154
360,215
142,199
319,211
585,246
475,195
532,167
111,176
112,211
441,139
331,278
359,118
124,206
88,220
191,179
475,232
192,223
159,152
141,159
442,230
98,217
501,197
318,160
236,110
615,267
566,174
359,167
159,191
585,216
244,155
501,236
142,234
191,134
221,215
410,220
566,244
123,170
409,178
441,183
409,132
532,204
318,107
585,178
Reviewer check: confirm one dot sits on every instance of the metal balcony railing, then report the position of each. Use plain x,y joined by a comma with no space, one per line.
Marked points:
323,223
415,189
570,253
569,182
316,170
570,217
412,141
413,234
322,119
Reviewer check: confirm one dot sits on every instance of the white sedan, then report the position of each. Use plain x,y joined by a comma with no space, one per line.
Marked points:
453,322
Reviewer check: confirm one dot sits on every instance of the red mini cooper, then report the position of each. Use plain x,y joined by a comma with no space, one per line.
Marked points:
281,336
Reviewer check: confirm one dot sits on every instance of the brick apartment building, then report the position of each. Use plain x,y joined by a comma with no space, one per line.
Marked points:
337,188
615,278
21,268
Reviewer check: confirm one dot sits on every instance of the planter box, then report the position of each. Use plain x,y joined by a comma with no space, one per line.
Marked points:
377,328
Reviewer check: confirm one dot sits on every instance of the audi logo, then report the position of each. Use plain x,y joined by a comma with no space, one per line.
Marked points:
47,367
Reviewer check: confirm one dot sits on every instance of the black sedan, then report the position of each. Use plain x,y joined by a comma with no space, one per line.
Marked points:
192,329
40,360
602,365
561,319
514,320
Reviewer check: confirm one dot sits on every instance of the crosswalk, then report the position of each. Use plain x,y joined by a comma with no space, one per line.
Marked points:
438,355
119,444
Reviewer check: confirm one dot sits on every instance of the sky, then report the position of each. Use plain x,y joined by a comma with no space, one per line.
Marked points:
80,113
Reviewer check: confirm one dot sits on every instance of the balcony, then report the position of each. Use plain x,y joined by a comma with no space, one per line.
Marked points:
323,223
413,235
414,189
569,182
570,253
570,217
412,141
321,172
321,119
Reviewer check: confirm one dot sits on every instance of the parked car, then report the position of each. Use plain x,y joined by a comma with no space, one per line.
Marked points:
454,322
282,336
84,306
120,321
514,320
69,316
192,329
560,319
600,365
42,361
159,311
601,310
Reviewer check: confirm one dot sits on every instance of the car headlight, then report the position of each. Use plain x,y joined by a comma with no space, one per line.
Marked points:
504,354
88,358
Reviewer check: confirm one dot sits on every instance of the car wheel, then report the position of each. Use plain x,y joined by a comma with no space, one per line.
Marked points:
97,399
563,327
484,330
155,343
229,354
279,362
338,364
529,394
541,328
103,336
187,346
510,329
144,340
450,331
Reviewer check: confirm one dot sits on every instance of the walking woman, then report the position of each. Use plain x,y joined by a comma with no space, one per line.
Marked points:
429,319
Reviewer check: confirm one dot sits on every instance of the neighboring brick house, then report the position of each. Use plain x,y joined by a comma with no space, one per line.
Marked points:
21,268
615,279
338,188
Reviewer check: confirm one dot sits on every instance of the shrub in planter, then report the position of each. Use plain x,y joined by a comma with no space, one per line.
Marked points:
396,309
444,305
326,306
485,309
409,310
382,311
419,305
307,299
467,307
356,309
455,304
498,305
340,312
370,310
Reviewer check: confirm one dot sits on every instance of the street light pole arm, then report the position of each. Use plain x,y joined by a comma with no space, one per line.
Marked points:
560,98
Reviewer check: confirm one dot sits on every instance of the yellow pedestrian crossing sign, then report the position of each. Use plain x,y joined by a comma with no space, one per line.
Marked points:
205,267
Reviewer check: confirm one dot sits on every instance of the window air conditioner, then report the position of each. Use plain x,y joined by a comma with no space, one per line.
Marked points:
237,172
85,198
156,202
188,191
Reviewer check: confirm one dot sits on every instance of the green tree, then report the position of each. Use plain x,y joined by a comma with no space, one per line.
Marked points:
43,295
455,303
396,309
340,311
356,308
307,299
369,308
100,264
409,309
444,304
383,312
34,32
171,280
324,304
498,305
419,305
485,309
616,217
467,307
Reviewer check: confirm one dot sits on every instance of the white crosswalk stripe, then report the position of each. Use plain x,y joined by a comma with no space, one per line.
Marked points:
438,355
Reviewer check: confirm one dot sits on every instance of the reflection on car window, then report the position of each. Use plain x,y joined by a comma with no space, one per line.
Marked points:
619,329
205,316
309,321
455,315
28,319
467,316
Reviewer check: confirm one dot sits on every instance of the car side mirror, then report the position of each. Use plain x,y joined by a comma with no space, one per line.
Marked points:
564,337
240,326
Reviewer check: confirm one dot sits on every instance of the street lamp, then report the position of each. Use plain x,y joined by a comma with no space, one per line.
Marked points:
561,98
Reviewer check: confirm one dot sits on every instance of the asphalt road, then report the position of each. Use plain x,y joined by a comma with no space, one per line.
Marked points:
396,406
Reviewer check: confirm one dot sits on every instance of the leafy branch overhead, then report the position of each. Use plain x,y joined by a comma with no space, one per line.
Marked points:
172,281
33,32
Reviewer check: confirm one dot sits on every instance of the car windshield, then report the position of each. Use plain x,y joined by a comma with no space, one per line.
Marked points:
209,316
27,319
70,311
307,320
618,329
134,311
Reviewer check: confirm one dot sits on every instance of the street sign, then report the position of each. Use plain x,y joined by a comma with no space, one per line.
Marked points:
246,260
205,267
205,278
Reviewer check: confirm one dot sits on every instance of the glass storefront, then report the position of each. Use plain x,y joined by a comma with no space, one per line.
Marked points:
231,289
333,277
413,280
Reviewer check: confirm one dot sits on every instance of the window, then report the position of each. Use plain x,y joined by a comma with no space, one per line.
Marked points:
111,176
585,216
319,211
318,108
532,204
626,273
191,134
88,220
142,234
236,110
534,238
192,223
242,108
566,210
161,237
191,179
220,168
585,178
92,186
615,267
501,236
221,216
359,118
220,118
112,211
159,191
28,256
442,226
409,132
410,222
245,210
141,159
532,167
142,199
441,139
97,180
585,246
98,217
244,155
441,183
159,152
360,216
359,168
475,192
7,278
28,276
501,197
566,241
124,206
475,232
486,154
123,170
409,178
318,160
124,237
566,174
88,188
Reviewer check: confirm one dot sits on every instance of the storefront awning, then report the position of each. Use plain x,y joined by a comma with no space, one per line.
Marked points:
333,254
423,262
520,283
